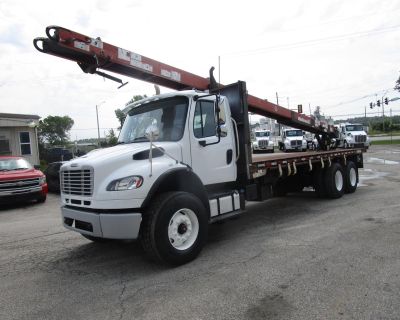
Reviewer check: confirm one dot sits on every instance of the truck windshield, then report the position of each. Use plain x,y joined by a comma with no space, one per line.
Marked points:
9,164
294,133
168,115
262,134
355,127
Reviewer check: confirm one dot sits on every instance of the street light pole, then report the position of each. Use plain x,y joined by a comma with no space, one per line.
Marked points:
98,127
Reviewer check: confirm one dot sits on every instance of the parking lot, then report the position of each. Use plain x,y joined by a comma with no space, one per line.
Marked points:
297,257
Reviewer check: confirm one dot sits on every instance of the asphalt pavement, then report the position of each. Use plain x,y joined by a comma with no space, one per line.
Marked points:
297,257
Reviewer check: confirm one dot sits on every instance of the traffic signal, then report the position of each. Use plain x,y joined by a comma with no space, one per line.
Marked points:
371,105
386,101
300,108
378,103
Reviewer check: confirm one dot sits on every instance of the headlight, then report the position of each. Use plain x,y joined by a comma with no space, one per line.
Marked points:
42,180
127,183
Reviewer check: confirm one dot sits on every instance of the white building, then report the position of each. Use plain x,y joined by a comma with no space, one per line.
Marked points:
18,136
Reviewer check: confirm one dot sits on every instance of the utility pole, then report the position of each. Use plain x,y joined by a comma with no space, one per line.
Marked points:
98,128
309,107
277,103
391,131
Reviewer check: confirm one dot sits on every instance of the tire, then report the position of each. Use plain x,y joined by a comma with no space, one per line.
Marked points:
334,181
174,228
319,182
41,199
95,239
351,177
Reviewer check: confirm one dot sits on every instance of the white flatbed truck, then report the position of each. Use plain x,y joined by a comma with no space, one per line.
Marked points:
183,159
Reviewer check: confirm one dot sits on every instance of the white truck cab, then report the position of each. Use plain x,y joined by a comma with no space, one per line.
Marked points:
292,139
352,135
261,140
170,148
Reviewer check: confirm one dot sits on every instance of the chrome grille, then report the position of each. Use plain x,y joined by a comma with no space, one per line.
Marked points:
18,185
263,143
295,143
361,138
77,182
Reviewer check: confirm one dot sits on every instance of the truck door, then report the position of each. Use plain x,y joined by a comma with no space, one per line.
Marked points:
213,161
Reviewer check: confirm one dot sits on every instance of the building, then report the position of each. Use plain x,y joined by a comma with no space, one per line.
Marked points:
18,136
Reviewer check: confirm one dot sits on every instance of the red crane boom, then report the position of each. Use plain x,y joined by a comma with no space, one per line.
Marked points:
93,54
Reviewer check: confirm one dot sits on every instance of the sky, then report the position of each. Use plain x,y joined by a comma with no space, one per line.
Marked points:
339,55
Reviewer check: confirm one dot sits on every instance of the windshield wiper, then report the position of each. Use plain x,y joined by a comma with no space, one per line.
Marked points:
5,169
140,139
20,169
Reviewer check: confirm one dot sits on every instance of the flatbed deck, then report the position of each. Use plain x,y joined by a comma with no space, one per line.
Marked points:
292,160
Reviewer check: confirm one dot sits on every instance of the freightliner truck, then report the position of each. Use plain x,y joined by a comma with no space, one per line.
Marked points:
183,159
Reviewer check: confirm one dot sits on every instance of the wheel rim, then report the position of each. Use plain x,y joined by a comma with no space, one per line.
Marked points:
183,229
338,180
353,177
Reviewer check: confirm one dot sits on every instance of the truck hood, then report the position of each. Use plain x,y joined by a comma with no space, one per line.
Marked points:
262,138
295,138
120,154
358,133
20,174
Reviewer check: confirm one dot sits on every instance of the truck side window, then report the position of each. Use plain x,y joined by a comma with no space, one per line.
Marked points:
204,124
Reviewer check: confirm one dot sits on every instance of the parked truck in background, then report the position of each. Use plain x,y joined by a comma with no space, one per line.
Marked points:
183,159
292,140
352,135
262,140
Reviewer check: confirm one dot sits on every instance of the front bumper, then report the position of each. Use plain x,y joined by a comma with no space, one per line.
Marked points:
102,224
22,196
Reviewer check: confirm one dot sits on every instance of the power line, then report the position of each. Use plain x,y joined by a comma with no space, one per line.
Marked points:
314,41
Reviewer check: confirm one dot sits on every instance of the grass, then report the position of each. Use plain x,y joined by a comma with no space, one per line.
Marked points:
384,142
377,133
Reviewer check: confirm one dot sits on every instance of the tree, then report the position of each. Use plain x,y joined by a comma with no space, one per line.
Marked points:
121,115
112,139
397,87
54,130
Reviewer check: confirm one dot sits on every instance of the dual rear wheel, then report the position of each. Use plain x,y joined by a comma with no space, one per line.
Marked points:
336,180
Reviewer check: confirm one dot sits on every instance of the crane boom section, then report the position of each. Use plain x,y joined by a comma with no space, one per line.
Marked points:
93,54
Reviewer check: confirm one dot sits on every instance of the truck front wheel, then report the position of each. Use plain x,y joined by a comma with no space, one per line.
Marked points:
174,228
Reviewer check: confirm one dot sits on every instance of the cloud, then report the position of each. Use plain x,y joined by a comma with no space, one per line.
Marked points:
13,35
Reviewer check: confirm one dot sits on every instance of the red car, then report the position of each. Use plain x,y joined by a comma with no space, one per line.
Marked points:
20,181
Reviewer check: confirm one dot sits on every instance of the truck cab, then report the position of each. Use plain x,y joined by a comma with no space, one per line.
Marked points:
292,140
262,140
352,135
175,165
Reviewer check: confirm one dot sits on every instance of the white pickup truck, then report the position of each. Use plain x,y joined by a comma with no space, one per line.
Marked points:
261,140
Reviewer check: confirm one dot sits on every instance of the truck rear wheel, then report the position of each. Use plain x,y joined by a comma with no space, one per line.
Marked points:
351,177
174,228
335,181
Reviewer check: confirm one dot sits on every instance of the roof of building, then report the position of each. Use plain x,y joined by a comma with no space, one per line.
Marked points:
19,116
